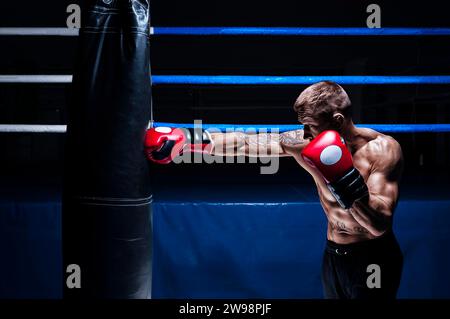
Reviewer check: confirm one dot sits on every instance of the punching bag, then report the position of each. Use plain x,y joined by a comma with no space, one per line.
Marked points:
107,195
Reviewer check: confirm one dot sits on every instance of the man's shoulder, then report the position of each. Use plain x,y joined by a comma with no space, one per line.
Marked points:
384,150
382,143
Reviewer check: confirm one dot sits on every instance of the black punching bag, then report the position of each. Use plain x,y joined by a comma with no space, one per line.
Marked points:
107,195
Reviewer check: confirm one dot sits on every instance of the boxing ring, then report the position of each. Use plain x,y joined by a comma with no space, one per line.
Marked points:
229,243
224,244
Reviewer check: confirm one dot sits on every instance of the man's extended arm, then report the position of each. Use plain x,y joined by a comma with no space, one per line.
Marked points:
258,145
163,144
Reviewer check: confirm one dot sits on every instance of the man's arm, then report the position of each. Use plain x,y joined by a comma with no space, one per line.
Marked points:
258,145
374,212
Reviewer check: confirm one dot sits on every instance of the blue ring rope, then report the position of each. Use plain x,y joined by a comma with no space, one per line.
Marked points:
383,128
292,31
295,80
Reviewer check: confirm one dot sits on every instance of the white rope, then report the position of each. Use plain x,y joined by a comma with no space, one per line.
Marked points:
20,128
35,78
393,128
63,32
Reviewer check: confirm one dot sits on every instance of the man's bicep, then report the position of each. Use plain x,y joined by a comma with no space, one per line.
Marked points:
383,192
253,145
264,144
384,180
274,144
259,145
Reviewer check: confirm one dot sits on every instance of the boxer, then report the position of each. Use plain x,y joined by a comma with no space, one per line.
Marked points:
356,172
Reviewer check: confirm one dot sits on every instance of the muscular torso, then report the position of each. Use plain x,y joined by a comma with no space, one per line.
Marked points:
373,154
342,226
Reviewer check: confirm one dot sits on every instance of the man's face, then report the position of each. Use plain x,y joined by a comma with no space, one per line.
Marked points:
312,127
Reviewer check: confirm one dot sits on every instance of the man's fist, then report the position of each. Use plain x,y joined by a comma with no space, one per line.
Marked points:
330,156
163,144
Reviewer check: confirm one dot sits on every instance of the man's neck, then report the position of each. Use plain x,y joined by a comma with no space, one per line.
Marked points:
352,136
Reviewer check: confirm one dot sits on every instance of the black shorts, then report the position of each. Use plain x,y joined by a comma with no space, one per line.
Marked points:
346,271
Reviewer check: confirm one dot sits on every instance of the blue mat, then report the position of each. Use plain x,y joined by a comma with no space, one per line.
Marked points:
212,243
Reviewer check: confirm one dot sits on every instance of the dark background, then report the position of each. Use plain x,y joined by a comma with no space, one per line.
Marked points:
426,155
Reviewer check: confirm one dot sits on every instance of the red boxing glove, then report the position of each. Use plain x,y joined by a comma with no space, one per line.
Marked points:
330,156
163,144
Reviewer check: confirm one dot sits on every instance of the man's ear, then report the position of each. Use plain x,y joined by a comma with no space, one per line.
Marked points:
338,120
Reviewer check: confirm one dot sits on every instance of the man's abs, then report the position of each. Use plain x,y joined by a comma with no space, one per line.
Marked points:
343,232
342,227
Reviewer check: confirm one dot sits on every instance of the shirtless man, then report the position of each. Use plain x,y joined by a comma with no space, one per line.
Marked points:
356,171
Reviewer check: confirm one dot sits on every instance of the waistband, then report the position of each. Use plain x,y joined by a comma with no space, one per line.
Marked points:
346,249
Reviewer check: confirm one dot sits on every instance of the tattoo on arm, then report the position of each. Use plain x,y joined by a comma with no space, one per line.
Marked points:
261,139
263,144
292,138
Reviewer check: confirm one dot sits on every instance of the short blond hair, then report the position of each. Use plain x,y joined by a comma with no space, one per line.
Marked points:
322,100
